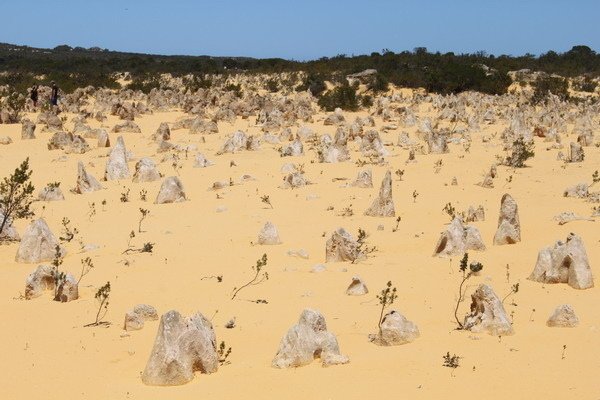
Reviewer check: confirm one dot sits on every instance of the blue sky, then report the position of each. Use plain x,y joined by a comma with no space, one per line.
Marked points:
303,29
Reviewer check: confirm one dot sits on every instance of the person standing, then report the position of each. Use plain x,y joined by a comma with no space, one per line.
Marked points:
54,95
34,95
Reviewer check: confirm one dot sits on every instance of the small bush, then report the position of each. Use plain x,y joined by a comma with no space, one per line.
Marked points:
550,85
314,83
343,97
521,151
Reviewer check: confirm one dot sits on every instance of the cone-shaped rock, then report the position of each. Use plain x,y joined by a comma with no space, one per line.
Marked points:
269,235
357,287
395,330
487,314
458,239
341,246
566,262
85,182
134,319
563,317
38,244
509,227
171,191
306,341
145,171
116,166
182,347
383,205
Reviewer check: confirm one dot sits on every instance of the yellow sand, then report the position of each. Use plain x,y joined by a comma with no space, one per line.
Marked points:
47,353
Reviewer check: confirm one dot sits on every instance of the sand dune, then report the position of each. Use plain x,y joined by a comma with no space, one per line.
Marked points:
48,353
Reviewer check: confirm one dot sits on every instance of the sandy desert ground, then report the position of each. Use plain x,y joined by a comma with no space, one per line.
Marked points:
47,353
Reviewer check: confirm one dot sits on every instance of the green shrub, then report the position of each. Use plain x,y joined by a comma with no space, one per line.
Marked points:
313,82
272,85
550,85
343,97
236,89
145,82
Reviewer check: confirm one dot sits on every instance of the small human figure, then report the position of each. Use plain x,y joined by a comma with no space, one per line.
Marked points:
54,95
34,94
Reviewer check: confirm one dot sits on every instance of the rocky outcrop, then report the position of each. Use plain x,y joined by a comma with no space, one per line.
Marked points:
294,180
509,227
268,235
38,244
27,129
577,154
134,319
563,317
341,246
475,214
200,161
126,127
364,179
580,191
162,133
43,279
238,141
383,205
171,191
51,193
116,166
395,330
566,262
145,171
306,341
85,182
39,281
182,347
458,239
487,314
357,287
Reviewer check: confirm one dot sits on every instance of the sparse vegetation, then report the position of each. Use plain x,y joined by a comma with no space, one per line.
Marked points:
259,277
102,296
86,266
386,298
450,210
125,195
522,150
363,249
399,174
473,269
91,210
265,199
224,354
68,233
16,195
513,289
144,213
452,362
398,219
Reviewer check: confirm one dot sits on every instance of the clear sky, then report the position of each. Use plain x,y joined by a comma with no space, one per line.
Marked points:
303,29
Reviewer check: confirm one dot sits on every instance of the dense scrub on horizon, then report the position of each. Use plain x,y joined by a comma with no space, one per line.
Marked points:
436,72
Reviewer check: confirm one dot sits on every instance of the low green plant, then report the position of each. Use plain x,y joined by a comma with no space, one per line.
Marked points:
102,296
473,269
259,277
144,213
386,298
16,195
452,362
224,353
125,195
522,150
